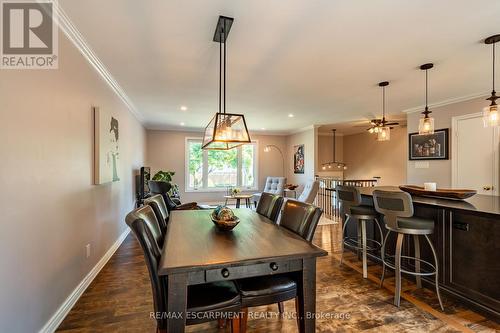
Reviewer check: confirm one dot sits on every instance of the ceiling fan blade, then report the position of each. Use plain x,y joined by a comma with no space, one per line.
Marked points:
394,123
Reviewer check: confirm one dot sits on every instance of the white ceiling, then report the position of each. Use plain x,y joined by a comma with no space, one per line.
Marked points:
320,60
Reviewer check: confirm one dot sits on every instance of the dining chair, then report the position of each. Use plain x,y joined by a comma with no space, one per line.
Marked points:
302,219
161,187
205,302
160,209
269,206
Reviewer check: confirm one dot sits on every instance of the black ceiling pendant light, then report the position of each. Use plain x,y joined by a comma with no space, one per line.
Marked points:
490,113
226,130
334,163
384,132
426,123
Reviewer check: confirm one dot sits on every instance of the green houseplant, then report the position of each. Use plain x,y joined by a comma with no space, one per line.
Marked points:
166,176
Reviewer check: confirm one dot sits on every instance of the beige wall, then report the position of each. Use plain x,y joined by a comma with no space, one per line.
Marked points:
309,139
50,209
166,151
440,171
366,157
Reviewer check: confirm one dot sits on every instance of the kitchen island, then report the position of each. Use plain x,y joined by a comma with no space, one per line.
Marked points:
467,240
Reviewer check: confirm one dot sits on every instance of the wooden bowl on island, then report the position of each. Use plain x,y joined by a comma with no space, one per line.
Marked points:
448,193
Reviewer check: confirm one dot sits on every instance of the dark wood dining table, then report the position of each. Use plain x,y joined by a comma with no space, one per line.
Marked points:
196,252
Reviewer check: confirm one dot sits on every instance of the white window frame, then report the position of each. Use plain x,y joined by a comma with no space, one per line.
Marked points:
205,169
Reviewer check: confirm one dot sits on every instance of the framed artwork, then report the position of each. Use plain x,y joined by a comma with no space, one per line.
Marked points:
298,159
429,146
106,147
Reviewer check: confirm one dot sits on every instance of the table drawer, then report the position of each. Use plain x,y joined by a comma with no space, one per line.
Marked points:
239,272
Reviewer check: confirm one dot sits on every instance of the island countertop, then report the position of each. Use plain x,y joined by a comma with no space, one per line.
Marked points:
478,203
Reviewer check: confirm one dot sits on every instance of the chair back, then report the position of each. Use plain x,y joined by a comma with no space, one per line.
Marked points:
310,191
348,197
275,185
300,218
140,221
161,187
392,205
270,205
160,209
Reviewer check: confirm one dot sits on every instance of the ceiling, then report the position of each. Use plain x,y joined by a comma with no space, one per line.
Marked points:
318,60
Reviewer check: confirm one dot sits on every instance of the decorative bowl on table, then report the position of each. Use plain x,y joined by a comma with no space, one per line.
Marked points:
224,218
291,187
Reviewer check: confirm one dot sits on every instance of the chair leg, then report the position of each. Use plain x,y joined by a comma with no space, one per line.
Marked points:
363,240
297,312
382,254
360,238
236,324
243,320
437,271
397,265
281,308
416,243
343,233
379,229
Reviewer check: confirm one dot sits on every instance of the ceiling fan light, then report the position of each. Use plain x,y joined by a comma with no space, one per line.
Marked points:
426,125
491,118
384,134
370,130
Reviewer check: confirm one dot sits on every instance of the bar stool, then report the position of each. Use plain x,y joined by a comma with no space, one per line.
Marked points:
350,206
397,208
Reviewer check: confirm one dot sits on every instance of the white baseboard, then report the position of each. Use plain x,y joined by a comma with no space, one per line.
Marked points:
68,304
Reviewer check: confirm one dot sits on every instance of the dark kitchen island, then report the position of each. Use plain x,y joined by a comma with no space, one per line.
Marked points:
467,239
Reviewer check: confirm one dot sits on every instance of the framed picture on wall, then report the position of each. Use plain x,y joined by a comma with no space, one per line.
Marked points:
106,147
429,146
298,159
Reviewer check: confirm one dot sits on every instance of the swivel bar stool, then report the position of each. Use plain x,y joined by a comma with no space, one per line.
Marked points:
350,206
397,208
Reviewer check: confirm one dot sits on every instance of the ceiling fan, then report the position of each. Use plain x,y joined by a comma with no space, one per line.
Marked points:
378,124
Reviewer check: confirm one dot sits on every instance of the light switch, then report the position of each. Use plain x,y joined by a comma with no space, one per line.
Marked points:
421,165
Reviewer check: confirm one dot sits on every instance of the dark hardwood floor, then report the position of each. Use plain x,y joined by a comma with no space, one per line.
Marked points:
119,300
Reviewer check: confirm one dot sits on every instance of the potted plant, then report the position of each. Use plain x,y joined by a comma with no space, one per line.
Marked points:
166,176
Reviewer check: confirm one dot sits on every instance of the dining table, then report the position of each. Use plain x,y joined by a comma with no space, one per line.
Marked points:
196,252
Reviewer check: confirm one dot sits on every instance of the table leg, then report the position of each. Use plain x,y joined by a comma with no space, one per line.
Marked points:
247,203
237,203
177,302
307,297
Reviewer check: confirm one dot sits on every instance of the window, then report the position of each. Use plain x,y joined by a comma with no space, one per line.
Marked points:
213,170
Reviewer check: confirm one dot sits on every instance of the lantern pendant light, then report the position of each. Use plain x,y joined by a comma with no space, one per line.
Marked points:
490,113
226,130
384,131
426,123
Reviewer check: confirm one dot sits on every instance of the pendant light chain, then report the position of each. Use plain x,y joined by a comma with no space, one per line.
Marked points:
220,74
426,90
494,67
383,104
224,66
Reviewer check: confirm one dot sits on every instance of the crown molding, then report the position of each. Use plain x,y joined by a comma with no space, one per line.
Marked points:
448,102
81,44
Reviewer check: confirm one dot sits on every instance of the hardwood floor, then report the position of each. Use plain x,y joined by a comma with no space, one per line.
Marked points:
119,300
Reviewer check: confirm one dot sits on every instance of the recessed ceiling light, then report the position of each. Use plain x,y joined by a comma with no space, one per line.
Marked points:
290,115
263,129
184,108
182,124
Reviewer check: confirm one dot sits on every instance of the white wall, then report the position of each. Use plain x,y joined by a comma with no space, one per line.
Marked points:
50,209
166,151
440,171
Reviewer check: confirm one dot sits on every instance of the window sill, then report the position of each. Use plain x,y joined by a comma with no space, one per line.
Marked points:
217,190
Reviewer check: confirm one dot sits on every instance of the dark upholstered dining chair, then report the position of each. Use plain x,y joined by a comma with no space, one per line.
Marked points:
302,219
269,206
161,187
205,301
160,209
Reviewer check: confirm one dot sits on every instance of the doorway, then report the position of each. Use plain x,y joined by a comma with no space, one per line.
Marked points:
475,158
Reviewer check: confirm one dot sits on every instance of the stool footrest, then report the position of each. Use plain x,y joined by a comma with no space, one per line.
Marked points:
354,243
393,266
